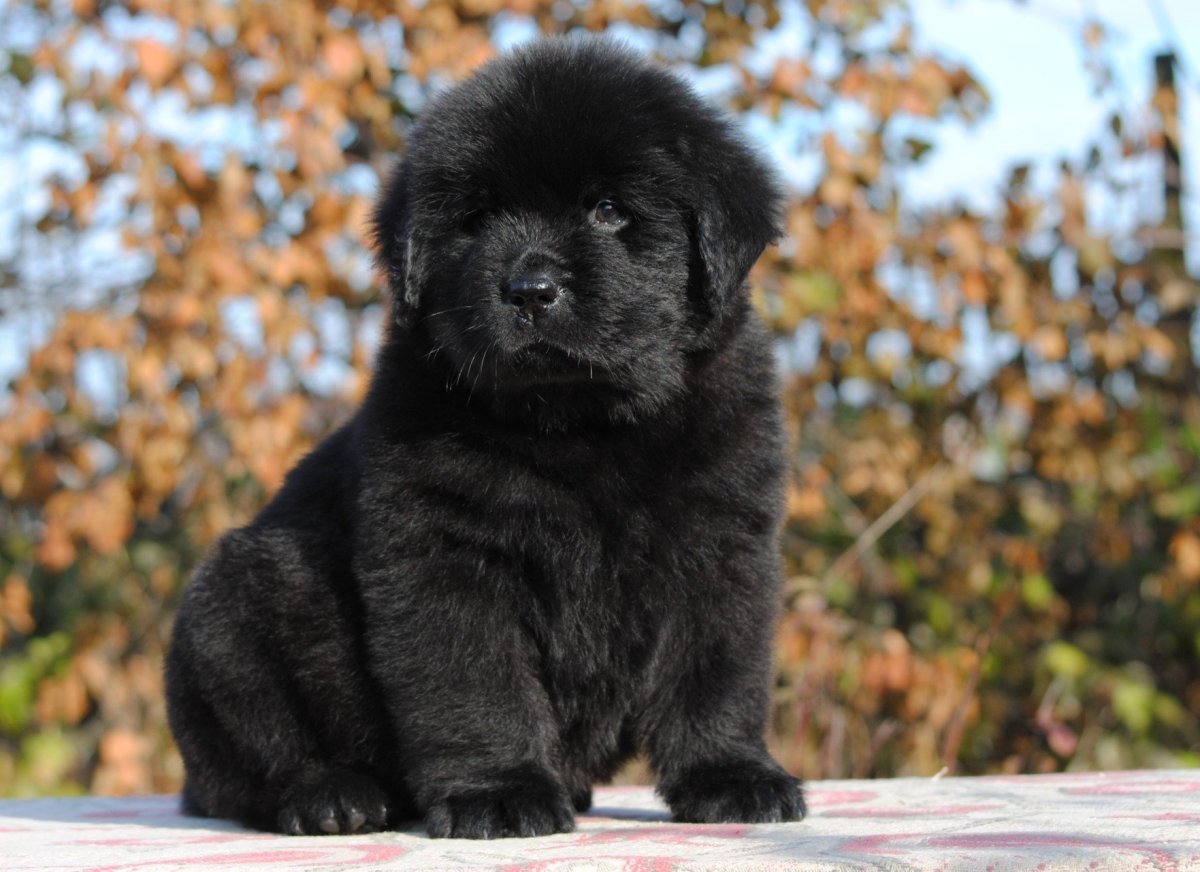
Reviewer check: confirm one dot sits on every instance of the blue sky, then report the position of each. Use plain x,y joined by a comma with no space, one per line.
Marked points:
1030,58
1028,54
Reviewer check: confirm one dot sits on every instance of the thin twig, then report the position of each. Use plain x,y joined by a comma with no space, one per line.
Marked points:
956,728
1164,237
883,523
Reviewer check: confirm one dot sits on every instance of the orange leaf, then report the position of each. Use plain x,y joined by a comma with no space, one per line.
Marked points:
155,61
1185,550
974,287
344,57
1049,343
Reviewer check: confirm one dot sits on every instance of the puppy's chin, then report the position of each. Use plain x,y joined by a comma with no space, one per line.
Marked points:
545,387
553,406
533,379
542,363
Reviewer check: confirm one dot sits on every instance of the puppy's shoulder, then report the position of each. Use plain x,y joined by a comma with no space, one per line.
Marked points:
318,484
739,378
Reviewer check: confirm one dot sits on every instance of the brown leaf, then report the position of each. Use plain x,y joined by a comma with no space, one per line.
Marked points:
343,58
1050,343
155,61
1185,551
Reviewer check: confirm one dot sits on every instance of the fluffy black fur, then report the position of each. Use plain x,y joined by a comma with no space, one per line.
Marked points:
548,539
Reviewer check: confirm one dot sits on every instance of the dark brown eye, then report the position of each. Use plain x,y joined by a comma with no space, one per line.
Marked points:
473,220
609,213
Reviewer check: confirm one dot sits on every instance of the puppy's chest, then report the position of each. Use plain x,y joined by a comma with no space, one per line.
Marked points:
593,629
595,596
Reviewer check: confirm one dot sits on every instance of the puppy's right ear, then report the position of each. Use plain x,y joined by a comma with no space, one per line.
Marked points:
397,250
737,213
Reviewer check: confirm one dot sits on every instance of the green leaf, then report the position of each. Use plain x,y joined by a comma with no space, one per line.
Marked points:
20,66
1065,660
1133,701
47,758
1181,503
1190,437
815,290
941,615
1167,710
916,149
19,679
907,574
1037,591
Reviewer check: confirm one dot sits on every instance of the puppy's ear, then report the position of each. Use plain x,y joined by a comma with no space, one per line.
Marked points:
397,250
737,213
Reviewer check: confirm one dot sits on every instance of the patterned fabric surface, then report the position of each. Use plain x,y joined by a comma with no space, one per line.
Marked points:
1117,820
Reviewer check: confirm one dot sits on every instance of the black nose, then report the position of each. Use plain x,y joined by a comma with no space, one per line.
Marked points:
532,295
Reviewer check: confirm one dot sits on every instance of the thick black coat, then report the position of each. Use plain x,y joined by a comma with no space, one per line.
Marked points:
548,539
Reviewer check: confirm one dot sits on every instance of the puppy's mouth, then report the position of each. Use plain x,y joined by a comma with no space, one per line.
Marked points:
541,363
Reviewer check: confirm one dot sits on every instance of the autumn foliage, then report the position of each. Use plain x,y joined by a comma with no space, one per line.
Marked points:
993,549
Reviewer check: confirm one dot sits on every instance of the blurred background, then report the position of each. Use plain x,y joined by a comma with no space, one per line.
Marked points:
984,305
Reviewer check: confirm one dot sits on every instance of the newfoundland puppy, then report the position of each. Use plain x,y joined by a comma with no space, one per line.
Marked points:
548,539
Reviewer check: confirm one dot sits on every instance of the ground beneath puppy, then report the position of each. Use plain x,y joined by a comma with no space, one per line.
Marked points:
1111,821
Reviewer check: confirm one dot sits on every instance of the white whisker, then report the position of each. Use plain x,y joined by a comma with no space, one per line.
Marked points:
447,311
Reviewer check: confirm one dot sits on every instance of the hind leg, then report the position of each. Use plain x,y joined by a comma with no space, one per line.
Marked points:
253,761
252,728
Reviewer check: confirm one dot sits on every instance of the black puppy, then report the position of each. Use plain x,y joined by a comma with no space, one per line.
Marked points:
548,540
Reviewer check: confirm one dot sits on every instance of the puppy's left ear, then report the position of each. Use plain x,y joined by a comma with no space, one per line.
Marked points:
737,213
397,250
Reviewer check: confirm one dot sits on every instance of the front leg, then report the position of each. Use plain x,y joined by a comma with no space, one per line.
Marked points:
751,789
476,734
708,721
518,801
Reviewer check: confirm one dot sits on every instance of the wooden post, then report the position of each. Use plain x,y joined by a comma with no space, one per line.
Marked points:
1176,292
1166,104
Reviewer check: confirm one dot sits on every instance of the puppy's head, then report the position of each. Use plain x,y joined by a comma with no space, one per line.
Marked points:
570,226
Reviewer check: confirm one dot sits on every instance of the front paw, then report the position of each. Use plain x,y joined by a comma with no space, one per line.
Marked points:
749,792
522,808
332,802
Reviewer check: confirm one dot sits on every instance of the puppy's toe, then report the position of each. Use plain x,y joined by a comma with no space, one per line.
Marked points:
521,811
333,802
744,792
539,815
582,800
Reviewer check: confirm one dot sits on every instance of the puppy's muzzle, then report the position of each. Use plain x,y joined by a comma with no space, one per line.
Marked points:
531,296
